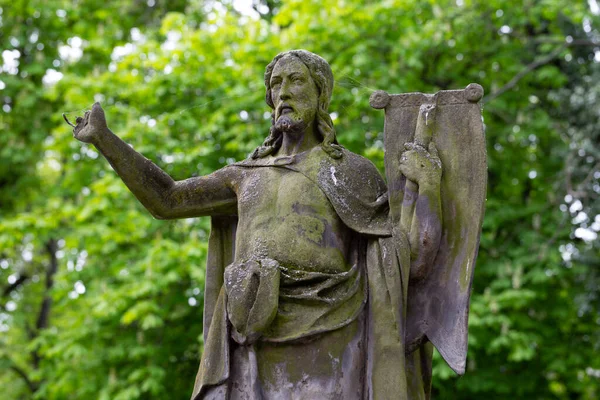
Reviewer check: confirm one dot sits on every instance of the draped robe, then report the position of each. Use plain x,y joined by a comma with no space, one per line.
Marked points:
377,303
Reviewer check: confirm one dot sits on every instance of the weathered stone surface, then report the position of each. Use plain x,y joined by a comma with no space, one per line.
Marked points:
438,301
323,281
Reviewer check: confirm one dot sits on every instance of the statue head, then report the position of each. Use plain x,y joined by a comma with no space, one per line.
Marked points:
316,94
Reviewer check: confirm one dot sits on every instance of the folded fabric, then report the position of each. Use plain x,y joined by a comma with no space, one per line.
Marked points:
252,291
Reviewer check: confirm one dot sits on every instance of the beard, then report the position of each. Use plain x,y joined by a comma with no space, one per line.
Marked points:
285,124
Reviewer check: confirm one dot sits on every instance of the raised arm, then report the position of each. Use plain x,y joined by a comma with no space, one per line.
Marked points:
154,188
424,168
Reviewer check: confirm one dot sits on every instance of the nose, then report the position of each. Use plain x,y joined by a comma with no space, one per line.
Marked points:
284,91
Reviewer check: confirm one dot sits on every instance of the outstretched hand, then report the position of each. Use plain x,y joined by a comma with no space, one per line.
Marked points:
420,165
91,125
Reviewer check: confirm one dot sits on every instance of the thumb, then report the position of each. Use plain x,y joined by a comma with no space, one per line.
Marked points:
433,150
97,115
97,108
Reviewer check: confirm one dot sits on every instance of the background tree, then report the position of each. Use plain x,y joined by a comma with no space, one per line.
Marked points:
99,300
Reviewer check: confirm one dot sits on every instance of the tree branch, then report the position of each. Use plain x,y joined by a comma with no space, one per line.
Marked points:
44,313
558,40
528,68
12,287
542,61
31,385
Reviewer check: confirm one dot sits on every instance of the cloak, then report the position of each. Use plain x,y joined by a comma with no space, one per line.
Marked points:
359,196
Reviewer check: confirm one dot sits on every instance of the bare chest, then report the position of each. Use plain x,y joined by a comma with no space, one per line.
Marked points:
285,216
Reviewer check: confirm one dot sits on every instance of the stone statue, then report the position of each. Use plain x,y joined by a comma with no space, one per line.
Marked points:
323,282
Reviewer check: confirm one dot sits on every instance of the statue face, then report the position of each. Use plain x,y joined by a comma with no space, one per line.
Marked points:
294,93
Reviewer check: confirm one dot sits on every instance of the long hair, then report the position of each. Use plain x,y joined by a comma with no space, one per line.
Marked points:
321,74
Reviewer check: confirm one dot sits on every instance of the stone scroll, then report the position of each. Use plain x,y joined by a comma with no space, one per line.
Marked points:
437,307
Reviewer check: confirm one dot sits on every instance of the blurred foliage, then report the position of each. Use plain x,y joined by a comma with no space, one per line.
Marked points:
99,300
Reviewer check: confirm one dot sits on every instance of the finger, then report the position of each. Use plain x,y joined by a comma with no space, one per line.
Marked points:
417,147
420,151
86,119
403,169
77,129
406,171
406,156
81,123
426,107
433,150
97,109
97,116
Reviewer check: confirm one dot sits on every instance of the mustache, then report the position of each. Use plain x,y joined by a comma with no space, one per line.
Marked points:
282,106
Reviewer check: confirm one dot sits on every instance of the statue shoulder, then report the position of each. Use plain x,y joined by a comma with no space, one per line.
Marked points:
358,161
362,171
357,192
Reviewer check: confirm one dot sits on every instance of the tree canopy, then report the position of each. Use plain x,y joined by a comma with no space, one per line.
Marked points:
100,300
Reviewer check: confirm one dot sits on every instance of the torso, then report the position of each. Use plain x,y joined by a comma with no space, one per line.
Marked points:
285,216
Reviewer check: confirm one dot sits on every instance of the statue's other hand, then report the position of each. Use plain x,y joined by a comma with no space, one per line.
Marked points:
420,165
91,125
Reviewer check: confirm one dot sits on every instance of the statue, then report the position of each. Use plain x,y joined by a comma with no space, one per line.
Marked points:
323,281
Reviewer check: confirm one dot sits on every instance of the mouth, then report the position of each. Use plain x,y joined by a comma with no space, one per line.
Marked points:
284,109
